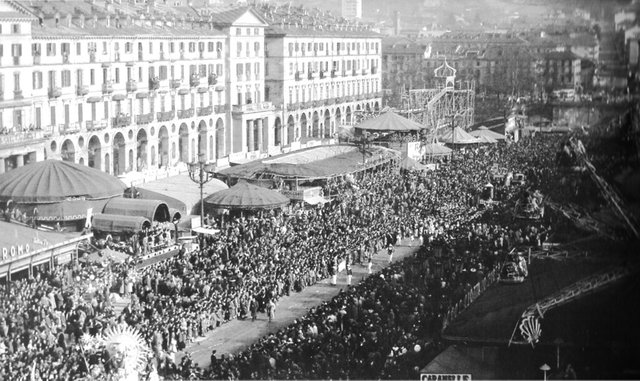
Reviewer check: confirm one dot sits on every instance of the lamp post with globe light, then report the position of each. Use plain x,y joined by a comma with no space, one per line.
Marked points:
201,173
545,368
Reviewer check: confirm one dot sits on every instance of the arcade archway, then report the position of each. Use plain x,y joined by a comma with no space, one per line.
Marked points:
219,138
163,146
68,151
303,126
183,143
277,132
119,154
291,130
141,146
315,125
95,153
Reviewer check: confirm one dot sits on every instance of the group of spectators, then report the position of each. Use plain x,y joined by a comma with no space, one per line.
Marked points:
385,327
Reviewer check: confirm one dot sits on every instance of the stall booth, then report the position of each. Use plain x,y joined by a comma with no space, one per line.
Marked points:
23,248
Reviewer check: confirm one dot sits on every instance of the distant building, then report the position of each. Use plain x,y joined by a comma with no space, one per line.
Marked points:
352,9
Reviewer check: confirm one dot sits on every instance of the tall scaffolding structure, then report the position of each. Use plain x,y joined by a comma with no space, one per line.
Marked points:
435,108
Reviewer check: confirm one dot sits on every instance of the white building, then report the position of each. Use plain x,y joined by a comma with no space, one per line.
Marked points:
134,87
321,78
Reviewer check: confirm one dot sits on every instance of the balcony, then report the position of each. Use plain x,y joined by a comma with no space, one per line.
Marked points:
365,71
253,107
343,73
175,83
311,75
165,116
184,114
194,81
220,109
55,92
121,120
374,70
92,57
212,79
36,59
349,99
323,74
204,111
293,106
17,94
354,72
107,88
22,137
81,91
334,73
298,76
132,86
65,58
154,83
70,128
96,125
339,99
16,61
144,118
329,101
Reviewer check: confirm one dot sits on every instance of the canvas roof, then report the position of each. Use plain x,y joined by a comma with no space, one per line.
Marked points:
435,149
247,196
458,136
181,188
55,181
153,210
483,131
309,163
454,360
389,121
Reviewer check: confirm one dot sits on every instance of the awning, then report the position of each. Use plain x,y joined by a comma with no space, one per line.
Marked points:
154,210
94,99
16,103
119,97
183,91
206,231
202,89
142,95
315,200
114,223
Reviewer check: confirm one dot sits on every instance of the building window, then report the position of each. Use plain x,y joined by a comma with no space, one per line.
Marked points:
248,31
192,47
128,47
239,49
15,28
16,81
172,47
65,78
256,31
16,50
37,79
92,76
238,31
117,75
210,46
151,48
163,73
219,70
256,48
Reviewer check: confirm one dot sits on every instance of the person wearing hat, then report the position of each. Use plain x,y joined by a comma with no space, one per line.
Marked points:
390,251
271,310
349,274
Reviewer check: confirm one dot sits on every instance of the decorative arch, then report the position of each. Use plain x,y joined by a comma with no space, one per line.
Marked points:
349,116
141,146
328,128
183,143
202,138
163,146
291,129
303,126
315,125
68,151
219,138
119,154
94,149
277,132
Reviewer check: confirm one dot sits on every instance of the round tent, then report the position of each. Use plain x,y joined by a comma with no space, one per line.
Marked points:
113,223
245,196
60,190
389,121
457,136
483,131
486,139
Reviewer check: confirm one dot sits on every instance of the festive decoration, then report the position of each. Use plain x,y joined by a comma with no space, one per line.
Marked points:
530,329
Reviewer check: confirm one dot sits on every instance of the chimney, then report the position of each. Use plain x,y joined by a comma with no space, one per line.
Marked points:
108,21
81,19
57,19
68,20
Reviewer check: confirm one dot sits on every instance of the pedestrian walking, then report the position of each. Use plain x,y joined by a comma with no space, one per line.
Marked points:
349,275
254,309
390,251
369,264
271,310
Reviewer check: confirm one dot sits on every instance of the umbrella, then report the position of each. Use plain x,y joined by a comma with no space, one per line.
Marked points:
247,196
483,131
389,121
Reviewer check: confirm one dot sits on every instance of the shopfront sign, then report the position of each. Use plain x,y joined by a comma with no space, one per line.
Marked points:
14,252
444,377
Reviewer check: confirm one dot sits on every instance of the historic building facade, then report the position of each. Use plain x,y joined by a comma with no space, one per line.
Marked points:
133,87
322,79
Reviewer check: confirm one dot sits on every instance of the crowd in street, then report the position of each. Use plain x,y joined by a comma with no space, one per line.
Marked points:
380,328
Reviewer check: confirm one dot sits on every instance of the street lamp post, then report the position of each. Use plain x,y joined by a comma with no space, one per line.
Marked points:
545,368
201,173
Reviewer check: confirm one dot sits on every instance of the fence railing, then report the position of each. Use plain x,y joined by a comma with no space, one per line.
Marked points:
477,290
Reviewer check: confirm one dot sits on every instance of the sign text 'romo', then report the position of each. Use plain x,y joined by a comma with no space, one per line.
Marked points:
13,252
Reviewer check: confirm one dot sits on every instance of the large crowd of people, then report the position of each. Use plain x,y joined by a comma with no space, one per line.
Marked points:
386,327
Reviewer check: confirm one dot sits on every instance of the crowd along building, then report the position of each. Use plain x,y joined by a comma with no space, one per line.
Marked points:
127,86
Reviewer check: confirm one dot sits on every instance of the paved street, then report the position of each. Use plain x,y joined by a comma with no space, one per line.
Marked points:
236,335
